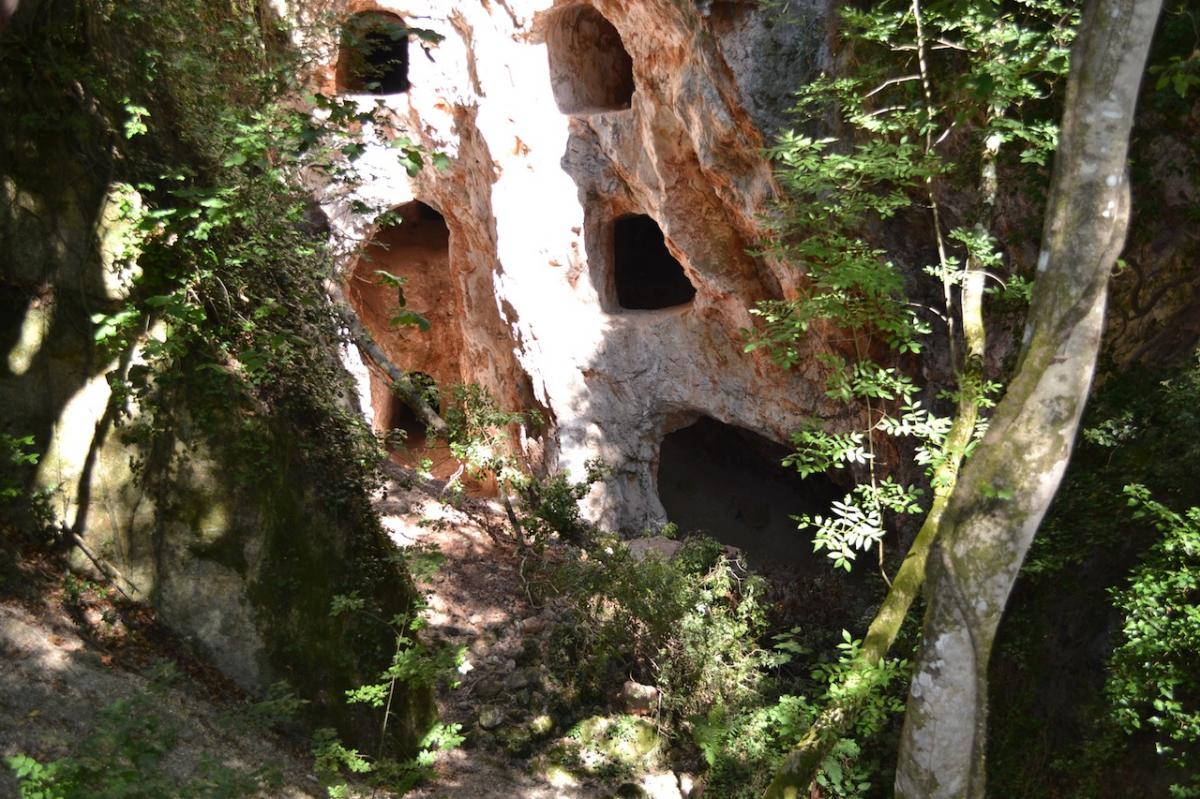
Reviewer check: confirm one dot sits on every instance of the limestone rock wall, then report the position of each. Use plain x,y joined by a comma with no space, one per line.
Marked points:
551,140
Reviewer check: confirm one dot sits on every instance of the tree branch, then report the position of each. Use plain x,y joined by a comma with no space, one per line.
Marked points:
402,385
1005,490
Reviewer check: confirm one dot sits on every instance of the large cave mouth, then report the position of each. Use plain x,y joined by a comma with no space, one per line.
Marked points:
646,275
590,70
729,483
373,56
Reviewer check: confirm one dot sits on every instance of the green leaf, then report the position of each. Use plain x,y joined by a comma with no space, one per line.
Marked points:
406,318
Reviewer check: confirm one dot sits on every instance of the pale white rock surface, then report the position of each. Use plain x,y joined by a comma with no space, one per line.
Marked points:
523,298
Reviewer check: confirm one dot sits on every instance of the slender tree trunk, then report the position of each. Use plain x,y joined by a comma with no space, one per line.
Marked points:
795,777
797,773
1004,491
800,769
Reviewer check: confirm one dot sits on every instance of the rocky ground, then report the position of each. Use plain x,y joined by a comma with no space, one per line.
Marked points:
76,659
71,648
481,598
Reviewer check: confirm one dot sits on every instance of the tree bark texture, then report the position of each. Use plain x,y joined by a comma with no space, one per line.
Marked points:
795,777
1004,491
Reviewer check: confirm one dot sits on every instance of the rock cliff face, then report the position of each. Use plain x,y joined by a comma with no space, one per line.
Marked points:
603,192
215,523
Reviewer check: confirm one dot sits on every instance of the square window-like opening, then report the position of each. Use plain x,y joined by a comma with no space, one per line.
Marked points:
646,275
373,56
590,70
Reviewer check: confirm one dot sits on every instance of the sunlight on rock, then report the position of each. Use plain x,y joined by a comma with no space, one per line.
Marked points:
33,333
118,237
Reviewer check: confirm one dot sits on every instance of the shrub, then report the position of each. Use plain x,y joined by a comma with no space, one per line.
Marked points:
689,625
1154,678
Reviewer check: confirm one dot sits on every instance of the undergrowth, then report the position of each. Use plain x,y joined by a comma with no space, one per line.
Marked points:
730,695
1097,654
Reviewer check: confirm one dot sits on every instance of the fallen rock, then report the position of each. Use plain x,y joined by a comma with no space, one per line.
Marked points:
664,785
490,717
638,699
660,546
521,678
534,625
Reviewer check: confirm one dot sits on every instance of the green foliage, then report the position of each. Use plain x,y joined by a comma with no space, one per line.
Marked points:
689,626
924,95
613,747
16,454
404,316
364,36
550,507
413,668
331,757
1181,75
694,626
848,282
1078,577
412,665
1154,672
856,523
1130,423
744,749
197,116
279,706
226,303
987,63
478,434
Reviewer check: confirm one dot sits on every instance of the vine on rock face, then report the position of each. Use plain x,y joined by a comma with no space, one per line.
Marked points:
197,119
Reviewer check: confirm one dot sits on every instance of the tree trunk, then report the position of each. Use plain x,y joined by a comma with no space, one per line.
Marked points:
1004,491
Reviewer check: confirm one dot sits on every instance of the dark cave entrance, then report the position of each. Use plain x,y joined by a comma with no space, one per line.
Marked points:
373,56
728,483
590,70
403,428
646,275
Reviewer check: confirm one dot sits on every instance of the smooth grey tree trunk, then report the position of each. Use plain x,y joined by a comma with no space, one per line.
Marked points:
1004,491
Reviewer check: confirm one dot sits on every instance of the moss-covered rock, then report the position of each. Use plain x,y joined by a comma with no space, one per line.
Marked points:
237,508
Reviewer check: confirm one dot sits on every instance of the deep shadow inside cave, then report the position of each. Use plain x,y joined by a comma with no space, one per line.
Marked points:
728,483
646,275
373,57
396,415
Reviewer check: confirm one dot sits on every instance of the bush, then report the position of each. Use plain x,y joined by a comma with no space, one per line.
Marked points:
689,625
1154,678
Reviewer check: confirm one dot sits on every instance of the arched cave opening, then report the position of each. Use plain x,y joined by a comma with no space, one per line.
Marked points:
373,55
728,482
646,275
400,424
590,70
416,248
